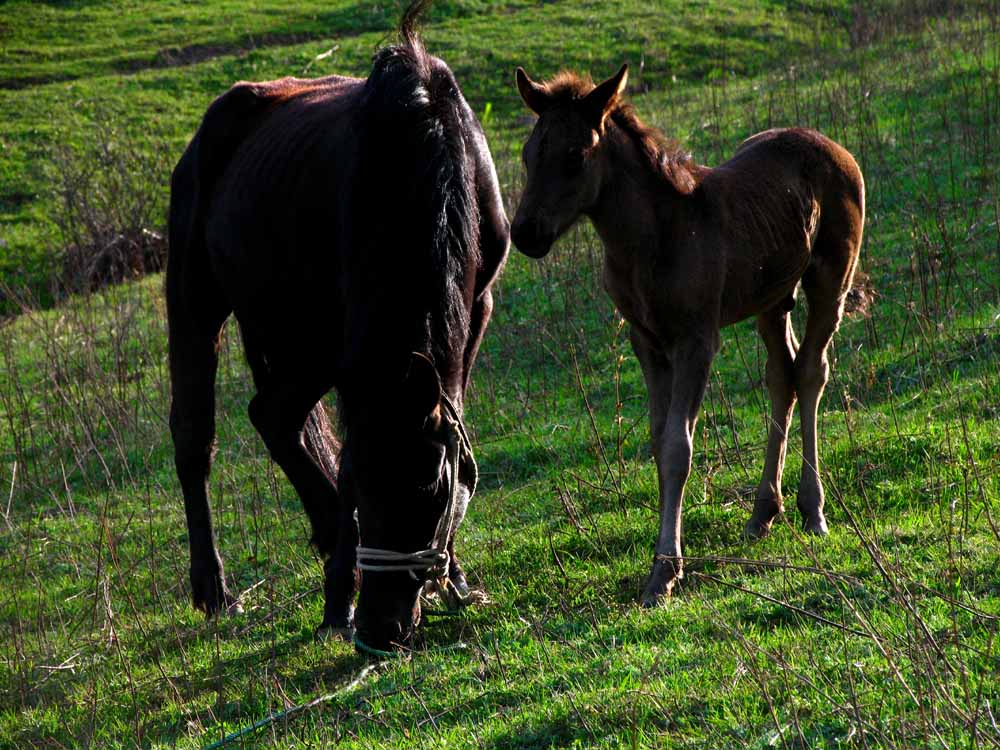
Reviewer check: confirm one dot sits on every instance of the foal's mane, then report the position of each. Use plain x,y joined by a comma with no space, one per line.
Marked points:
665,155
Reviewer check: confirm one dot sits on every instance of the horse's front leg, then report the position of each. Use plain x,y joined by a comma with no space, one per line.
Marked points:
340,575
299,440
673,421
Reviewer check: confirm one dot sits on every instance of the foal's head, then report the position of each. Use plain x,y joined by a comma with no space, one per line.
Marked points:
563,155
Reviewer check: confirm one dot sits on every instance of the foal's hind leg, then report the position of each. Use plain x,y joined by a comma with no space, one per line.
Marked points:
194,337
775,328
826,290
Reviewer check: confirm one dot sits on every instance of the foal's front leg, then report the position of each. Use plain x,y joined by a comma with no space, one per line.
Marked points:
691,361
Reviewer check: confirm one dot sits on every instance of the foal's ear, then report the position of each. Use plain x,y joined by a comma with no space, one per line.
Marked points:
599,103
534,95
421,389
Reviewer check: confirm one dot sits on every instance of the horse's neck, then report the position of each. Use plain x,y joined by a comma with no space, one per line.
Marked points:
637,207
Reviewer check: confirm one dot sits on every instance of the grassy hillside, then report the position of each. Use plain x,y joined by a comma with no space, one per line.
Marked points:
147,71
882,635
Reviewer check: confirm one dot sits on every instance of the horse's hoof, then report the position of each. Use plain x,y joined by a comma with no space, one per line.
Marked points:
461,586
477,597
216,602
665,573
326,632
209,592
230,606
338,626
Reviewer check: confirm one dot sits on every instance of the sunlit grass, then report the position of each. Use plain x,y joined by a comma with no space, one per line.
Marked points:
881,635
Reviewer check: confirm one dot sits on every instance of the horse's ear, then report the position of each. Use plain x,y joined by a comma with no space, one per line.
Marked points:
421,389
600,102
534,95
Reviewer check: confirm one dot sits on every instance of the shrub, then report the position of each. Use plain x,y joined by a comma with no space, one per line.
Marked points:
110,208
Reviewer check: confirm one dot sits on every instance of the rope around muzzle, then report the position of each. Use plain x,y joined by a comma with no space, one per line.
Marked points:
434,561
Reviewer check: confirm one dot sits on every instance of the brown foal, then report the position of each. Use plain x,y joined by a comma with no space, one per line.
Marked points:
688,250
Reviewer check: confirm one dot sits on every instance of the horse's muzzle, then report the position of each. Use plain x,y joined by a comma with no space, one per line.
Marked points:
387,632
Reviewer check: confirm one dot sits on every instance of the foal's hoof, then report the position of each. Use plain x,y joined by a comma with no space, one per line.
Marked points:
756,529
666,572
765,510
816,526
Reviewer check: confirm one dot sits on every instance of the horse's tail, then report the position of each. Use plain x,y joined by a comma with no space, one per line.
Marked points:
321,441
417,167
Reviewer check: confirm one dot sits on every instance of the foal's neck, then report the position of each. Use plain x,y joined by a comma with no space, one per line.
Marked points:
637,204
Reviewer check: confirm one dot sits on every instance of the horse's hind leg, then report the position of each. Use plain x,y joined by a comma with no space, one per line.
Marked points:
776,329
194,338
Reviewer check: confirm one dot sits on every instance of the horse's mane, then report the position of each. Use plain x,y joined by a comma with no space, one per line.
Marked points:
667,157
418,171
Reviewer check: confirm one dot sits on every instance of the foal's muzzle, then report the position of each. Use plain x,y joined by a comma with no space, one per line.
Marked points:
530,239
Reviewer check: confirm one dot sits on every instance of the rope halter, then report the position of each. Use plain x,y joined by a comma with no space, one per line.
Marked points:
433,561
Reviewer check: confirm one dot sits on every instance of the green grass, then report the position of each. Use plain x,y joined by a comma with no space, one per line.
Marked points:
77,52
881,635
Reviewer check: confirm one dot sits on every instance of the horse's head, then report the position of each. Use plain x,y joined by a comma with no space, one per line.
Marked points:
397,471
562,155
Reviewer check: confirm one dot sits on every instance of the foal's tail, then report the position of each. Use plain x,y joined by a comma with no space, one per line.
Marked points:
862,293
860,296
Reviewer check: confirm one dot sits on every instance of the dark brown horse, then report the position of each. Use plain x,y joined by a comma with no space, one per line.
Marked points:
689,250
353,228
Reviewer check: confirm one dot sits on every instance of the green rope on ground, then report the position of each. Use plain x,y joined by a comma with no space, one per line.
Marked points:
364,647
239,734
442,612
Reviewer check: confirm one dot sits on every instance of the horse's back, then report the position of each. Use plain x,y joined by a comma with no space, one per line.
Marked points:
228,122
282,144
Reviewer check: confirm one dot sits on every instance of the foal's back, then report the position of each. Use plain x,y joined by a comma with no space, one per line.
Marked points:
788,203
